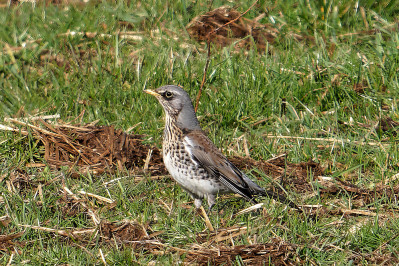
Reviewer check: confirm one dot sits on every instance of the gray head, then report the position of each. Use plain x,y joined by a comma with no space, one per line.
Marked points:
177,104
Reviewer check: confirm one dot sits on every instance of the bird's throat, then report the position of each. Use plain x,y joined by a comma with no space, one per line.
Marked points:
172,130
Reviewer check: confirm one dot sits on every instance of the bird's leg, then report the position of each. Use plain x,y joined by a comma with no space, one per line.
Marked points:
201,211
206,218
211,202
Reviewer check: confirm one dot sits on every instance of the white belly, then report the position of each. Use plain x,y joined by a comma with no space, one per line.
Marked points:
191,179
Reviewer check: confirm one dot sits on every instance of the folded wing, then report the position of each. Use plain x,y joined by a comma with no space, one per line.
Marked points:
205,153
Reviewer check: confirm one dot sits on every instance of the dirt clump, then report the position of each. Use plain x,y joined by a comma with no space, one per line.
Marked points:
211,25
277,252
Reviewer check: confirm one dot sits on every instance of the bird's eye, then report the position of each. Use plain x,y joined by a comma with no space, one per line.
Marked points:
168,95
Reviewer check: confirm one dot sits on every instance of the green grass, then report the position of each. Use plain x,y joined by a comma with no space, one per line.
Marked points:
45,71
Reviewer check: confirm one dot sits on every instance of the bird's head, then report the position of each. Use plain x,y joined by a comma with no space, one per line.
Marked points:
177,104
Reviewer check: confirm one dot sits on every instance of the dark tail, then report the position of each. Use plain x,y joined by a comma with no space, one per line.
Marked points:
254,189
279,198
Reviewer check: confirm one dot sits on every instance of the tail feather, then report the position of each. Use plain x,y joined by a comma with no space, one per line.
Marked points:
257,190
280,198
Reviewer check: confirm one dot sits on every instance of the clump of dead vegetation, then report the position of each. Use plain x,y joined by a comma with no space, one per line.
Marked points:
211,25
94,148
277,252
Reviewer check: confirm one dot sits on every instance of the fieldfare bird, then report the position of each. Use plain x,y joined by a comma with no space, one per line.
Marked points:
192,159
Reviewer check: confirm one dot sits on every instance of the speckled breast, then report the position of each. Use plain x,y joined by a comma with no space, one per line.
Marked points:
192,177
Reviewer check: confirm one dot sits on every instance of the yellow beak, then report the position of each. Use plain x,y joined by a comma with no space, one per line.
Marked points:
153,93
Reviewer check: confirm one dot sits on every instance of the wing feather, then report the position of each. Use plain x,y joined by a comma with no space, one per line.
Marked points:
205,153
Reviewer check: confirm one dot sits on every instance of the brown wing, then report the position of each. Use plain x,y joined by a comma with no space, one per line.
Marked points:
205,153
